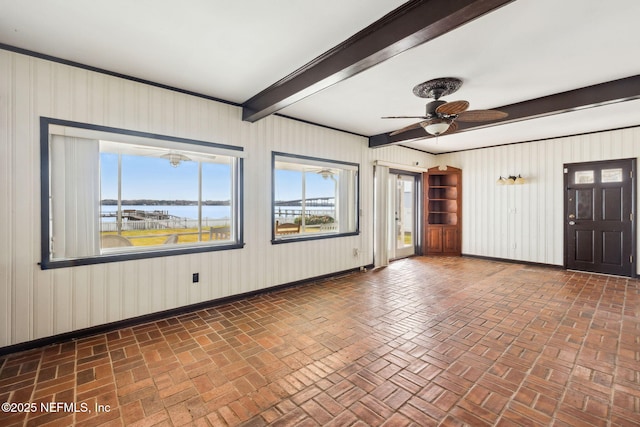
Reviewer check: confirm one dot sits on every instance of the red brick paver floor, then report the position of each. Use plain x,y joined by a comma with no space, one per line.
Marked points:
426,341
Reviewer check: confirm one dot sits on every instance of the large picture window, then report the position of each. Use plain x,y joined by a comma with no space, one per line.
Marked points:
313,198
111,194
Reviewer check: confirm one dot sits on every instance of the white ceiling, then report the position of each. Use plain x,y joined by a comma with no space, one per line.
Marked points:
232,50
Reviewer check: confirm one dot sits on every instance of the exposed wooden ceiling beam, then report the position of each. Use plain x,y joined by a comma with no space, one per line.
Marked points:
412,24
614,91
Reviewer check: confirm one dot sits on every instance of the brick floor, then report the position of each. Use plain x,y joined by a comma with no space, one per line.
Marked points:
426,341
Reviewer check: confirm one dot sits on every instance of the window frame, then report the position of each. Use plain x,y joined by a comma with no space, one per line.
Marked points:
301,238
46,260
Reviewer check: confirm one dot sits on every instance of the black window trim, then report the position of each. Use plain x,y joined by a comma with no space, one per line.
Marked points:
296,238
47,263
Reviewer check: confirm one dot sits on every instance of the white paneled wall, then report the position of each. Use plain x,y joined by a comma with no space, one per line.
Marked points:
36,303
525,222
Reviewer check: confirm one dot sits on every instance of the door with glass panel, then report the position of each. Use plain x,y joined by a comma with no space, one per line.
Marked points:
599,216
403,225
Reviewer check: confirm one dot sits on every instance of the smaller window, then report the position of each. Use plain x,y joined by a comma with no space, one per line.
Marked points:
584,177
611,175
313,198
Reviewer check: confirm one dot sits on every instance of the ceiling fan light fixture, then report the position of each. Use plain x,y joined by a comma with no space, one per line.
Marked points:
436,127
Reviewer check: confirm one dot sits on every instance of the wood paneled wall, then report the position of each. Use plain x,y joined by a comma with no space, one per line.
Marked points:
526,222
36,303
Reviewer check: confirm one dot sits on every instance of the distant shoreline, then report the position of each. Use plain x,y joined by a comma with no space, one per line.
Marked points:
147,202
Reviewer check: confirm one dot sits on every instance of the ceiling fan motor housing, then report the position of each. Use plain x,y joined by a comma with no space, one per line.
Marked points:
432,106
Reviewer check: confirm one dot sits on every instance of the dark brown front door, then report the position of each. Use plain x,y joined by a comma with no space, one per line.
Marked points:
599,222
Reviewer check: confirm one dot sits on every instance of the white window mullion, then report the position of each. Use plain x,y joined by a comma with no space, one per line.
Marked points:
119,207
199,201
303,203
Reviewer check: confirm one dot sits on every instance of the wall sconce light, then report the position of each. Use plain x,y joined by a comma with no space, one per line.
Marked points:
510,180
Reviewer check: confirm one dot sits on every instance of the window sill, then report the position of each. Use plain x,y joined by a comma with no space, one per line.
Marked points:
129,256
299,238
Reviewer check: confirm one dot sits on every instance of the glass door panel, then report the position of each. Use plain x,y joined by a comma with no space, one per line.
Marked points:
404,219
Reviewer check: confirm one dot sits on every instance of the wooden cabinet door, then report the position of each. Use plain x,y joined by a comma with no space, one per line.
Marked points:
434,240
450,240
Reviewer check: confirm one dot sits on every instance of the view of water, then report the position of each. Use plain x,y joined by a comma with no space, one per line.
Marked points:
212,212
191,212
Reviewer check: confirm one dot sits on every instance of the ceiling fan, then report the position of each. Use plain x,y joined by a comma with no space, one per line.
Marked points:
440,117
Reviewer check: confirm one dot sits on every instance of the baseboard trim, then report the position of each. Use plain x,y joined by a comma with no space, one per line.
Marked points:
514,261
539,264
159,315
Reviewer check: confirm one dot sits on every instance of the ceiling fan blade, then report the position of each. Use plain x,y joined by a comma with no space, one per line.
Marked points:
406,128
405,117
481,115
452,108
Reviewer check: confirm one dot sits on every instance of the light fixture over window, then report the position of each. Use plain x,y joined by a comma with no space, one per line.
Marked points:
436,126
